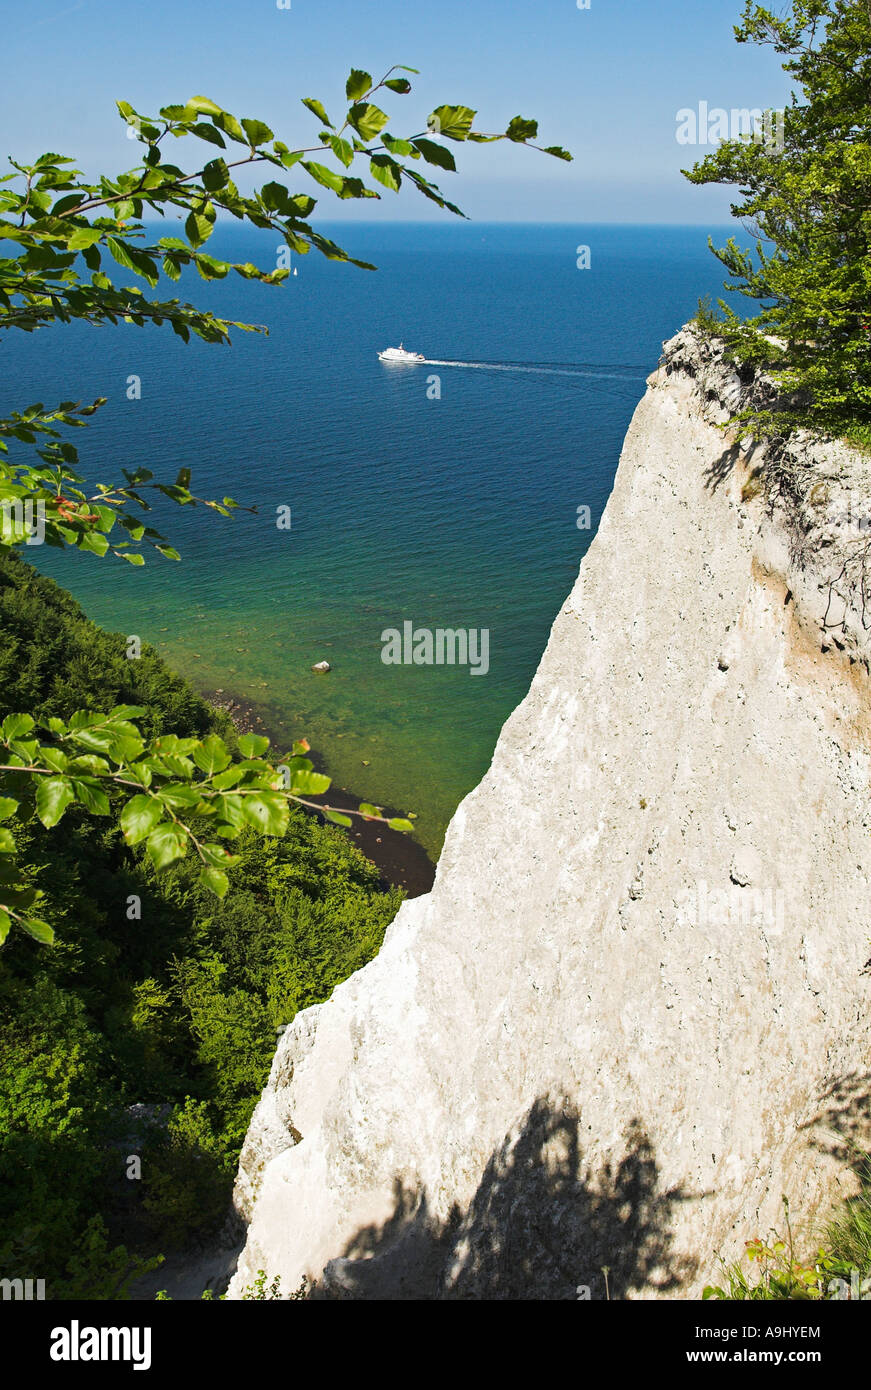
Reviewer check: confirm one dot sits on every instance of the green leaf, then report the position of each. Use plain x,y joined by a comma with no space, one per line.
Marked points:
435,154
139,817
83,237
212,756
521,129
218,857
253,745
177,113
358,84
14,725
94,542
171,743
208,132
107,516
133,259
309,783
215,175
399,823
367,120
342,149
328,177
338,818
351,188
123,713
298,763
558,152
430,191
40,931
92,797
199,227
453,121
317,109
120,742
403,148
386,171
7,841
53,796
8,806
5,923
267,811
179,795
25,748
176,766
210,269
215,880
87,719
398,84
302,204
230,126
166,844
223,780
258,132
88,763
203,106
274,196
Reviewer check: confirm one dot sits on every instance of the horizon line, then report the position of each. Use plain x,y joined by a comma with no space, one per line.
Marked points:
468,221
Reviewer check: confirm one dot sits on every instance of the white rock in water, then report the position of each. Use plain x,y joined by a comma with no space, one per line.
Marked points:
322,666
544,1071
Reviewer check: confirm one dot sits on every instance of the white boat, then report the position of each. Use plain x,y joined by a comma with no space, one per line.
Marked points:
400,355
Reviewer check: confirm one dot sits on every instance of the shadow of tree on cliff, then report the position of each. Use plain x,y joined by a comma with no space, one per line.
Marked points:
541,1225
843,1122
841,1128
719,470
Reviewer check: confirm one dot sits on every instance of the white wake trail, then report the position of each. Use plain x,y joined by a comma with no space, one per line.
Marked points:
547,371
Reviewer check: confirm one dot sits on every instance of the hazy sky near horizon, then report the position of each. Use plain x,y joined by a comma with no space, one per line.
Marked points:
605,82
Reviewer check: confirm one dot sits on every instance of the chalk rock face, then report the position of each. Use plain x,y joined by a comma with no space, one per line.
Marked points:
632,1012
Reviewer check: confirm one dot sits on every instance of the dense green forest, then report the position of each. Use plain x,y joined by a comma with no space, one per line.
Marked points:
156,992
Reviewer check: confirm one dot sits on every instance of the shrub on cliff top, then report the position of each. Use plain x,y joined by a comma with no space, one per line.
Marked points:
805,187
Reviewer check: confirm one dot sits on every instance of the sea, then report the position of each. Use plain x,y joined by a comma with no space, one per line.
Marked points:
458,494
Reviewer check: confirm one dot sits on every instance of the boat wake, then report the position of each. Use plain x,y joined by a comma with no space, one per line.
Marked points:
606,371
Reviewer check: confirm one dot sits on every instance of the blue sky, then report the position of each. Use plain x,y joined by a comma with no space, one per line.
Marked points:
605,82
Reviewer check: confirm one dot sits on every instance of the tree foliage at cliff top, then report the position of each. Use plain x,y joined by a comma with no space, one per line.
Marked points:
809,205
69,237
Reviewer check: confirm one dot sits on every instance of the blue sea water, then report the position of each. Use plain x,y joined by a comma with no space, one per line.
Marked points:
451,503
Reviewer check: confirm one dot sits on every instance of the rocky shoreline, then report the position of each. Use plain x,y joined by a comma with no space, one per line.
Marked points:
399,859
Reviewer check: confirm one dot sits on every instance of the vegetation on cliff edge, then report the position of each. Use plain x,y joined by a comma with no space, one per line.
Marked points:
804,188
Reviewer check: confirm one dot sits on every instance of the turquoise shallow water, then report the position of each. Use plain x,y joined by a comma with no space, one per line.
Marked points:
455,512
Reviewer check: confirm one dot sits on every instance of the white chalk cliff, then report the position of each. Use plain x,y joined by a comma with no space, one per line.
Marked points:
634,1010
